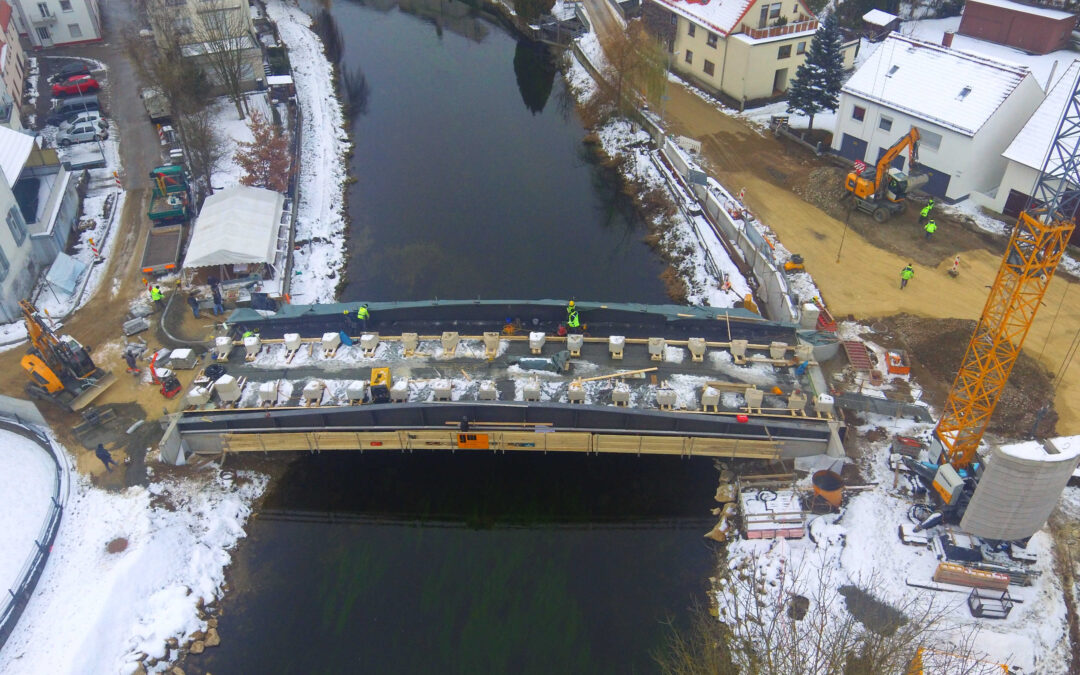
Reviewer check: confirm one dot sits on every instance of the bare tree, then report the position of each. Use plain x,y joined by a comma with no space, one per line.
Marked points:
222,41
204,146
636,66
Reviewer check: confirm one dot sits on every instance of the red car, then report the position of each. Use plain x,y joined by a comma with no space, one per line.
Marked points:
80,84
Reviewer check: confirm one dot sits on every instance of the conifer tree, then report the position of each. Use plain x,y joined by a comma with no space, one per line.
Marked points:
818,80
265,159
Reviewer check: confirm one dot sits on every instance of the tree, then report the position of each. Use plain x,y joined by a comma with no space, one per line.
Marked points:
818,80
265,159
634,58
224,41
530,10
203,145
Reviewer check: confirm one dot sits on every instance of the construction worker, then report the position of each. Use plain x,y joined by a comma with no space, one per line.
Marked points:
924,215
248,333
219,304
931,228
573,320
157,297
105,457
132,366
570,309
905,275
193,302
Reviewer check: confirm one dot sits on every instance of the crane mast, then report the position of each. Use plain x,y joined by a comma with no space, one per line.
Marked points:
1035,247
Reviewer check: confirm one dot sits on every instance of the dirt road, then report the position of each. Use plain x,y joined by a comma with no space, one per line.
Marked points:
860,277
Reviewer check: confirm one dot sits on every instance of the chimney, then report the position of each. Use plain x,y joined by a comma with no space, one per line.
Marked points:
946,39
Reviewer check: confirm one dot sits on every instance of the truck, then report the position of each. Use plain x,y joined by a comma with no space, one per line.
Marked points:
157,106
170,197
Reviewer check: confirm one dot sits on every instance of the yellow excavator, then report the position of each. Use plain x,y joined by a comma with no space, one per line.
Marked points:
60,369
882,190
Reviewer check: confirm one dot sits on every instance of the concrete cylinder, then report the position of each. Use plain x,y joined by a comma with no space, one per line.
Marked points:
738,349
777,350
666,398
657,345
252,345
576,393
450,340
222,347
268,392
620,395
710,397
227,389
574,342
488,391
369,342
824,404
313,391
531,391
796,401
697,348
491,343
198,396
754,397
356,390
536,341
292,341
410,341
442,390
399,393
330,341
615,346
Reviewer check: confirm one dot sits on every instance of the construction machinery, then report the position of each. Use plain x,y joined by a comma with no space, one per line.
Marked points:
882,190
60,369
165,379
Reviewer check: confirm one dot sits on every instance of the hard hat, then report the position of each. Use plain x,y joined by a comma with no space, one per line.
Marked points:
345,312
365,304
571,303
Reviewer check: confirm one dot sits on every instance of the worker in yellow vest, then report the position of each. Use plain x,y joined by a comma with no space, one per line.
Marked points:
924,215
931,228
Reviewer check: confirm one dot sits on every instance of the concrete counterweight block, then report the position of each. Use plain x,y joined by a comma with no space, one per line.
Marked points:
576,392
531,392
754,398
330,344
450,340
666,398
197,396
488,392
808,316
399,393
738,350
443,390
574,342
796,402
804,353
355,391
369,342
697,348
410,341
656,348
620,394
615,346
292,341
252,345
491,344
227,389
313,392
777,350
824,404
710,399
536,342
222,347
268,393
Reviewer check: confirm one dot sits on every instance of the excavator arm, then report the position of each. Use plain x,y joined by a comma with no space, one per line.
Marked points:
908,140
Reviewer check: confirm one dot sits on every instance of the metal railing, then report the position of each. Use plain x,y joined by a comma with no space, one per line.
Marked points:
777,31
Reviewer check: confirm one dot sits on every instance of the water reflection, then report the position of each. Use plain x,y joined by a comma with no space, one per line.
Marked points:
357,91
535,73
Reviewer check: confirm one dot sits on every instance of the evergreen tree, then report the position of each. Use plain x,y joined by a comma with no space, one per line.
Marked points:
818,80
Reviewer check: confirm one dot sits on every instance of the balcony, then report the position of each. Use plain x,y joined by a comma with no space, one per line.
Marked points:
778,31
46,20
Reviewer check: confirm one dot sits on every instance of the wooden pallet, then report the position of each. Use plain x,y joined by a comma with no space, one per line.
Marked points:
951,573
857,355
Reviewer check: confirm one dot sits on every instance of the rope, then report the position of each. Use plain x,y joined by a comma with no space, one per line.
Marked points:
1066,361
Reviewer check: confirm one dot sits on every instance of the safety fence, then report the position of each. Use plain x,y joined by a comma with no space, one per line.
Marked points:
22,417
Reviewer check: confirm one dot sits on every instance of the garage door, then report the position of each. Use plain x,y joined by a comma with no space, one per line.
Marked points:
1015,203
939,181
853,148
898,161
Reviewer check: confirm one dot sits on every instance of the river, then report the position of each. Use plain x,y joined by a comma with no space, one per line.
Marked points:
472,180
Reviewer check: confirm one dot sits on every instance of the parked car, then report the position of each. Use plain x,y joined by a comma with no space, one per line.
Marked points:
92,117
88,131
80,84
69,71
66,109
157,106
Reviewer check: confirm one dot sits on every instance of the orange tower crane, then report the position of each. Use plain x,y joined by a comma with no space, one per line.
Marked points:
1037,243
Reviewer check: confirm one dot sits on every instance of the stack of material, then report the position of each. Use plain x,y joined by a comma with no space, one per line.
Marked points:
951,573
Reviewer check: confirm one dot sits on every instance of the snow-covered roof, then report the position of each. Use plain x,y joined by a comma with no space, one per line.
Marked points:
278,80
878,17
1033,141
722,16
953,89
14,149
237,225
1027,9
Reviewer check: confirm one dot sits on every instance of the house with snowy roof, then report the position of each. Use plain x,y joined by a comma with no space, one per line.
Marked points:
1024,157
745,49
967,107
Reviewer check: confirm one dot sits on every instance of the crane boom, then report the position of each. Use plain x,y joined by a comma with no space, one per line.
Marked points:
1035,247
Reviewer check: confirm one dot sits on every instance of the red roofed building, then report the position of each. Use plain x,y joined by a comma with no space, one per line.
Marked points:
12,68
1039,30
745,49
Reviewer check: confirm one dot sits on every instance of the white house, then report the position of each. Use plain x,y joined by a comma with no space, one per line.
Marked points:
40,203
1025,155
967,107
50,23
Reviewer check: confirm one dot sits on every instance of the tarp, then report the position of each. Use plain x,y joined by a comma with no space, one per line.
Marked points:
237,225
64,273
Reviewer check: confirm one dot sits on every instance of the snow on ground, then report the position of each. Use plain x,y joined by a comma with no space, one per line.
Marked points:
27,484
234,130
95,611
320,261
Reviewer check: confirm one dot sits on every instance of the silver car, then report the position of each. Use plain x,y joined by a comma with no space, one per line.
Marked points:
90,117
80,133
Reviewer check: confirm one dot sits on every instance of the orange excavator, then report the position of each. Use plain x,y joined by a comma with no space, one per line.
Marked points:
882,190
60,369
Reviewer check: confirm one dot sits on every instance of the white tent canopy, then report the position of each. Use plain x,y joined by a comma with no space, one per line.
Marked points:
237,225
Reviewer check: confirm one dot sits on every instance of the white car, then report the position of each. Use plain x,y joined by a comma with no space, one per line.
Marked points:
90,117
80,133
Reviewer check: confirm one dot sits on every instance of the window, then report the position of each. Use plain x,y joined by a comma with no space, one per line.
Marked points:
713,37
43,34
674,20
183,26
801,47
690,28
892,71
963,93
65,6
885,123
75,30
784,52
16,224
928,139
709,67
3,266
774,11
43,9
858,113
689,56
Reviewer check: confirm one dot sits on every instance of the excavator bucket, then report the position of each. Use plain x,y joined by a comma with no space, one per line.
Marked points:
92,391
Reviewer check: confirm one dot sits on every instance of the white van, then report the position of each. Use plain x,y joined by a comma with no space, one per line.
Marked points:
92,117
81,133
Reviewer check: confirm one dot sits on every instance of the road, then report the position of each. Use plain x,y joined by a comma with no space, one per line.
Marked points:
858,276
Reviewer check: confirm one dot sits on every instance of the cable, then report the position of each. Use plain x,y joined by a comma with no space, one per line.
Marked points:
1066,361
1054,320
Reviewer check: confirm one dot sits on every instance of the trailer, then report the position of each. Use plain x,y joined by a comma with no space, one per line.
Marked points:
170,195
161,254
